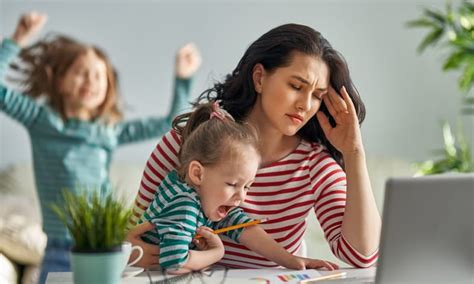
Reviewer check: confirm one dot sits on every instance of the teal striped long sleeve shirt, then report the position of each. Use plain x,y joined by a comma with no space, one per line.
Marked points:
72,154
176,213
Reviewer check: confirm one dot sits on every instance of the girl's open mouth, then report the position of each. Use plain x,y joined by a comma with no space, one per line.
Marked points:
223,210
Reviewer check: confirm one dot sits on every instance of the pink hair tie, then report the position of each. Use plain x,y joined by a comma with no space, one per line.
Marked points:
219,113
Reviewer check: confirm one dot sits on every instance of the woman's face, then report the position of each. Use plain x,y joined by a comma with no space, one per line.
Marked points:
84,85
290,96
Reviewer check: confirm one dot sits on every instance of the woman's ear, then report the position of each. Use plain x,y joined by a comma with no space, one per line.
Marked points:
258,73
195,172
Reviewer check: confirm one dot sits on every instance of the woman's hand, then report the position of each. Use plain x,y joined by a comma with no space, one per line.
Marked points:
309,263
188,61
151,253
345,137
28,25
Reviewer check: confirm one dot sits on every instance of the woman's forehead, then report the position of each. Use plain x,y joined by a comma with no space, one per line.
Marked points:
309,69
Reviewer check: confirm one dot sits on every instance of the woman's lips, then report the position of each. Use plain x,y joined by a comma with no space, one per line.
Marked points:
295,118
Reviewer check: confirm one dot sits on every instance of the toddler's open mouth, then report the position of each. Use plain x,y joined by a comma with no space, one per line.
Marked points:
223,210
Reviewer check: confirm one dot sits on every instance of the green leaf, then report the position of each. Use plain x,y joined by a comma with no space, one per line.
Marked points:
467,78
421,23
431,39
435,15
449,141
454,60
467,111
468,100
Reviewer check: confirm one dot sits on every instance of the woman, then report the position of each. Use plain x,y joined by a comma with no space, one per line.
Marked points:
312,152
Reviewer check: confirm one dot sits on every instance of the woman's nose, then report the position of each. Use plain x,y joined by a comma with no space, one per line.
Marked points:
304,102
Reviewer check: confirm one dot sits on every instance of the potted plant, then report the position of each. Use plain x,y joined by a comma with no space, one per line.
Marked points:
454,30
97,224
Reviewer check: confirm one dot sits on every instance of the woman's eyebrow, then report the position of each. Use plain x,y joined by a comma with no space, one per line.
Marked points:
303,80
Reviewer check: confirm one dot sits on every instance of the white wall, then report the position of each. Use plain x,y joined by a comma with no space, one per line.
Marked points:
406,95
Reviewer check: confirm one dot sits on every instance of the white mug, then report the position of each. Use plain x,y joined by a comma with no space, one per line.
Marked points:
127,249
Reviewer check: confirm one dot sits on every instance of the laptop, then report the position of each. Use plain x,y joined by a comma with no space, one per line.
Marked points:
427,232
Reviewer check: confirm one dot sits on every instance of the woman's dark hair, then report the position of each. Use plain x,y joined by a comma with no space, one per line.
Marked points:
273,50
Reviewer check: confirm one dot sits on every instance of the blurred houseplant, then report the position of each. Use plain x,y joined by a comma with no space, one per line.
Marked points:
97,223
454,30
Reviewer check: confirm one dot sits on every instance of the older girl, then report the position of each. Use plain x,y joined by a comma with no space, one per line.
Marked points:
76,131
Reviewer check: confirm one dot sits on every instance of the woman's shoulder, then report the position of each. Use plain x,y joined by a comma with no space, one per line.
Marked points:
171,139
316,153
311,147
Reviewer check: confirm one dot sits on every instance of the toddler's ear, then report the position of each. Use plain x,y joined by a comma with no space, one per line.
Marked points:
195,172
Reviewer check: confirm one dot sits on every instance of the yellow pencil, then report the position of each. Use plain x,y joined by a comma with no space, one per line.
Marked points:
243,225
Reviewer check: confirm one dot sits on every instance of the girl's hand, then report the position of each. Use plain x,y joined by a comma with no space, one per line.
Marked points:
209,240
345,137
188,61
28,25
151,253
309,263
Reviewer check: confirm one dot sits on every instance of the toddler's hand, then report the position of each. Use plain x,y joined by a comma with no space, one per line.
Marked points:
188,61
209,240
28,25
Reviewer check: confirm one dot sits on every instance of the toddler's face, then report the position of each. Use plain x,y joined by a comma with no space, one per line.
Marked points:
84,85
224,186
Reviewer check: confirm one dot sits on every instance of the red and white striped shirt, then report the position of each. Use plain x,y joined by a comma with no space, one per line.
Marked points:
284,192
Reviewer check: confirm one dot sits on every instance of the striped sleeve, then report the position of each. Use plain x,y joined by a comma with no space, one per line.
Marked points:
329,183
142,129
16,105
162,160
235,217
8,51
182,91
175,219
19,107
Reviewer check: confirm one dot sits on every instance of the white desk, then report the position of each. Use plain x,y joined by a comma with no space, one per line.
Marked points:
353,276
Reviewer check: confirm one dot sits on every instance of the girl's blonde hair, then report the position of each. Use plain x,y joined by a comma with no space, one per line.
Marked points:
43,65
210,135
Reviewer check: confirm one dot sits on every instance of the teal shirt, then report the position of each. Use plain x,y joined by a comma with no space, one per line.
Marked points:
176,213
73,154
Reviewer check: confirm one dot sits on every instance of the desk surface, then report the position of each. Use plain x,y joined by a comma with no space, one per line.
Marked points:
352,276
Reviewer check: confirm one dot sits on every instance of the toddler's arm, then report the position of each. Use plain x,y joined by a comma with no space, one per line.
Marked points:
256,239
